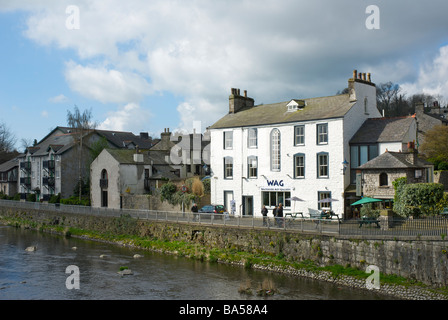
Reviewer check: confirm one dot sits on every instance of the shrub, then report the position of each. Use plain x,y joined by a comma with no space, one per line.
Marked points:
418,198
368,211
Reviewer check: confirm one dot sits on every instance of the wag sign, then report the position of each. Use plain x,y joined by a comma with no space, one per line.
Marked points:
274,185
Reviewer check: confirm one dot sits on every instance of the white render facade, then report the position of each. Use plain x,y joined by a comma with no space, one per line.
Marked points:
264,155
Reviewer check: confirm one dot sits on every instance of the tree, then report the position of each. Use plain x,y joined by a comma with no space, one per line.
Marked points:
7,139
385,95
81,123
435,146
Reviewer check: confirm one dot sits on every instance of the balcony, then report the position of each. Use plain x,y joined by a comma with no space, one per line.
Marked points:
49,165
25,166
25,181
48,181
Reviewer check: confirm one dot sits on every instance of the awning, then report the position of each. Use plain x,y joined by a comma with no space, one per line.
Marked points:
366,200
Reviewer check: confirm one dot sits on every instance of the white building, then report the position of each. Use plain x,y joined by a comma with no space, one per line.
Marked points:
265,154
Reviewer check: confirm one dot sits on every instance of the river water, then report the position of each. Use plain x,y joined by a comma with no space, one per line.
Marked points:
41,275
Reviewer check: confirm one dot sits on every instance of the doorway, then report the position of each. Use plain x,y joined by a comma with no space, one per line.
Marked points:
248,205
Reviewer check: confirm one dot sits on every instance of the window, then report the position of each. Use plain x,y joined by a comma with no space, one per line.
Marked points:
252,166
275,150
228,168
322,133
228,139
273,198
322,165
299,165
321,195
299,135
418,173
252,138
384,181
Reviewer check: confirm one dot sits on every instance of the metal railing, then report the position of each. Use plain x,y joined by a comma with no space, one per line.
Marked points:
393,227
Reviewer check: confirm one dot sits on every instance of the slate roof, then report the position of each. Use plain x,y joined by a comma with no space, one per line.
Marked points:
394,160
62,139
8,165
126,156
375,130
162,168
276,113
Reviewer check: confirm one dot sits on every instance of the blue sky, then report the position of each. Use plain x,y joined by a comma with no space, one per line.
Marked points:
149,65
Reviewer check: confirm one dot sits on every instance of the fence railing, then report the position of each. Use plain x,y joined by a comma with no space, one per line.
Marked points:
436,226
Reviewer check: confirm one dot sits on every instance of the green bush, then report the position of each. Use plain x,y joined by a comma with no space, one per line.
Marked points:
368,211
419,198
55,198
74,200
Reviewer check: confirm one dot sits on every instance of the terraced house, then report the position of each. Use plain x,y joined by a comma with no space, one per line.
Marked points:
57,162
266,154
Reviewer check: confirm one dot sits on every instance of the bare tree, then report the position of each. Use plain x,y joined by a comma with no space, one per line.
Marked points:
81,123
386,93
7,138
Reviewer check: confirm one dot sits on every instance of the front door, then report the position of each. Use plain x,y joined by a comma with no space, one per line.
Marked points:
248,205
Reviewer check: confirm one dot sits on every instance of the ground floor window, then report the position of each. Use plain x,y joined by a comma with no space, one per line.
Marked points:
321,195
273,198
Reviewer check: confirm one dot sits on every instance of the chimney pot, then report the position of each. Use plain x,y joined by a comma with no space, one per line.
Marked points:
245,93
364,76
368,77
354,74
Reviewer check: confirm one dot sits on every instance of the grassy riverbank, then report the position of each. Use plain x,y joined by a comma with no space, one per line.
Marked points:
342,275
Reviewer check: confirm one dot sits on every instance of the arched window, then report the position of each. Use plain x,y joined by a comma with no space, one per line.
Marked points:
103,179
384,179
275,150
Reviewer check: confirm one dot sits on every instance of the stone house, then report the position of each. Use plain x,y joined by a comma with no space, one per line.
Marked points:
378,135
117,172
265,154
427,119
378,174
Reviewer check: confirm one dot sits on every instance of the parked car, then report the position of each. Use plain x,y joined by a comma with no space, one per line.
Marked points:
212,209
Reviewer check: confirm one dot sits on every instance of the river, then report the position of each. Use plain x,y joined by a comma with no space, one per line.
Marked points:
41,274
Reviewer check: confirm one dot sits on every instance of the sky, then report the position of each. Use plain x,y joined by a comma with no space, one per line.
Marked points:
147,65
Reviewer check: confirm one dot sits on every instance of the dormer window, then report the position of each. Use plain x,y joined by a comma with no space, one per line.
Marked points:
295,105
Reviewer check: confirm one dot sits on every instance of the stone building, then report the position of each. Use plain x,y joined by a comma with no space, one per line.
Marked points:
378,174
427,118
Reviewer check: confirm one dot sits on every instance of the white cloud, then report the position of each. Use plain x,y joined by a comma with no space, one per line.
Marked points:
58,99
432,77
198,50
44,114
106,85
130,117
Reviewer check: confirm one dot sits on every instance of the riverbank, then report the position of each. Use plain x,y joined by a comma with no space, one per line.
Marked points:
194,245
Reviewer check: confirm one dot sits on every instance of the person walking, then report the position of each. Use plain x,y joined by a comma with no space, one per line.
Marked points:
280,215
194,209
264,213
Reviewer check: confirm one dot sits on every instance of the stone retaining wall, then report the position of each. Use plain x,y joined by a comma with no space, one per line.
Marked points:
422,260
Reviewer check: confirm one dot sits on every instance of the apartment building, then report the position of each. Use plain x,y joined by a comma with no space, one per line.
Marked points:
57,162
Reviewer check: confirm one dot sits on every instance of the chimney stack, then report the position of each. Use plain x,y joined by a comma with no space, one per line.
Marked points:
238,102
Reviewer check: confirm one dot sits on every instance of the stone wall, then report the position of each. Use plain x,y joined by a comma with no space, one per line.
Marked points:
441,177
423,260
